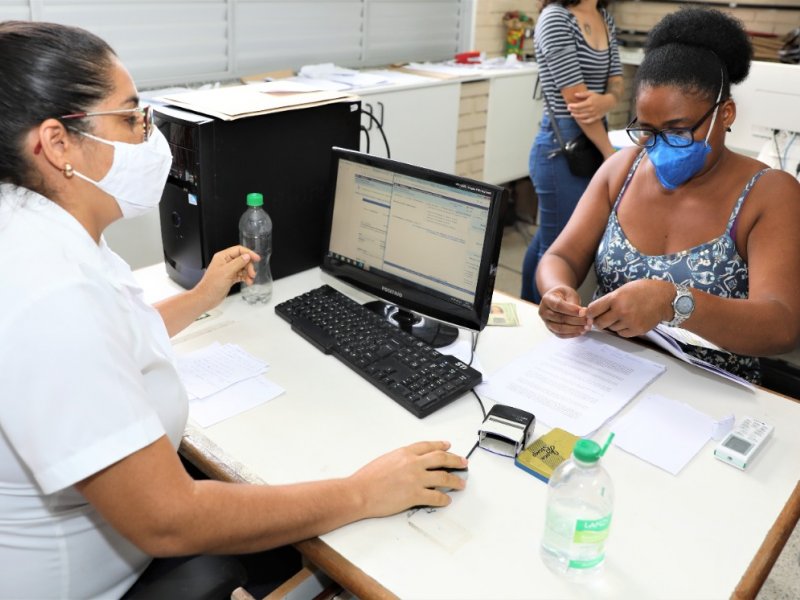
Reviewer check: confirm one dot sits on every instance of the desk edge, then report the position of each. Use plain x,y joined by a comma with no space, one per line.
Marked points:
211,460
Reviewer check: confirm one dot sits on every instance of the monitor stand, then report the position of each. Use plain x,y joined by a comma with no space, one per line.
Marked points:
432,332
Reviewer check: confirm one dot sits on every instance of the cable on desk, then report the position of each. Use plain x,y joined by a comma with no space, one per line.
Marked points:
474,344
471,451
480,402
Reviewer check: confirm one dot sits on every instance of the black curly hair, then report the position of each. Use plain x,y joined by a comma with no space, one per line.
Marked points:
691,47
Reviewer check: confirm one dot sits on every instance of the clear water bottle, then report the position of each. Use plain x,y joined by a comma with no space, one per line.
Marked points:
255,233
580,501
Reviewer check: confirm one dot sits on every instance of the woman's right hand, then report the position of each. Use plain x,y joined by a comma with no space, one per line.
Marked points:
408,477
562,313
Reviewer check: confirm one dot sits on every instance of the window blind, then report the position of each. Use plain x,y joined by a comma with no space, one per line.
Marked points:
166,42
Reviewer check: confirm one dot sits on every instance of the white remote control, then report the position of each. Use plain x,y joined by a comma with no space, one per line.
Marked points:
742,443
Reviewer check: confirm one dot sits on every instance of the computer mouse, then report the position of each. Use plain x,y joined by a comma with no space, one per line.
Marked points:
462,472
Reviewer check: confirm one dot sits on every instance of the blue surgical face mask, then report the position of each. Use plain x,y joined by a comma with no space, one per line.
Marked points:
675,166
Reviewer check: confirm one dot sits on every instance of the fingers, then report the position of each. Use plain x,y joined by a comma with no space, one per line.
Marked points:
565,319
234,252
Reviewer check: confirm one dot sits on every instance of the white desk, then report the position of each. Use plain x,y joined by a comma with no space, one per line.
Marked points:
690,536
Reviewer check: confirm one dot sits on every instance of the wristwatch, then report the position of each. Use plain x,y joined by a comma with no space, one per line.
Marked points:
683,305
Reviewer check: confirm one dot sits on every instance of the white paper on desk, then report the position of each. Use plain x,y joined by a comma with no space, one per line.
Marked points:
216,367
664,432
233,400
576,384
339,74
454,70
320,84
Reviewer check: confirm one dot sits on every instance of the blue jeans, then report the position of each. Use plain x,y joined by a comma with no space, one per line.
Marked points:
558,192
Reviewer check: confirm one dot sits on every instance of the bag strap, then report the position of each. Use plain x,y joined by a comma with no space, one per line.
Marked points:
550,111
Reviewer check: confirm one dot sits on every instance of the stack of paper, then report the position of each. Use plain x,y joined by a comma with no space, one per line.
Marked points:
667,338
222,381
239,101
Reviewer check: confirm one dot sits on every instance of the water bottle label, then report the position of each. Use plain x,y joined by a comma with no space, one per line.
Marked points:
587,542
591,531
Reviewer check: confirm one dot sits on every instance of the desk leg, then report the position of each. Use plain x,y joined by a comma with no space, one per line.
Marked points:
761,565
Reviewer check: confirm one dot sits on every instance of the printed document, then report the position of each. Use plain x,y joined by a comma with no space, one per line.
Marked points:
576,384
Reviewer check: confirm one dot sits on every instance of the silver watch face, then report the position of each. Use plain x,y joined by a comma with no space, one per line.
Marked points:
684,305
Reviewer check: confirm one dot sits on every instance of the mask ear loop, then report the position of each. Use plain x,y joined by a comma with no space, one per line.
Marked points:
716,110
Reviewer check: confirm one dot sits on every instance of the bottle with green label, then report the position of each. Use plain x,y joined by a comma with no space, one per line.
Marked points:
580,500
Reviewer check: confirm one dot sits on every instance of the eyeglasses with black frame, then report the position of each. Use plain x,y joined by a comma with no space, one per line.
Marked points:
145,113
678,137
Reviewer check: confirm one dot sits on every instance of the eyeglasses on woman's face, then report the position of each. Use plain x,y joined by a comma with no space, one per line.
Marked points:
679,137
140,114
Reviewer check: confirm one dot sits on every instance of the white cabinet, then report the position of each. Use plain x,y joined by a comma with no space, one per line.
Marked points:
420,123
512,122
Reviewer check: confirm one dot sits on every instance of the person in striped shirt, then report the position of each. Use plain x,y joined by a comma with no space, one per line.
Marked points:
581,79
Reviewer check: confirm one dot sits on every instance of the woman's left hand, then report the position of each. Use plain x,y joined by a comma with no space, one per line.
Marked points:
633,309
591,106
227,267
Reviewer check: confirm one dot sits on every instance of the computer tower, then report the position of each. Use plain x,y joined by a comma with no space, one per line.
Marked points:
216,163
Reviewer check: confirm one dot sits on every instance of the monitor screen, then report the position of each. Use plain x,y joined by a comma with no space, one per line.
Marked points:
423,241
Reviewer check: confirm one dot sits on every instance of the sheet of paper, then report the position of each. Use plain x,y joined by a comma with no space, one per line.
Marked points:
575,384
351,77
321,84
444,70
216,367
664,432
233,400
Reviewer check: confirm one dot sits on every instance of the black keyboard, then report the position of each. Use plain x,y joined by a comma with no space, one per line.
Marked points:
412,373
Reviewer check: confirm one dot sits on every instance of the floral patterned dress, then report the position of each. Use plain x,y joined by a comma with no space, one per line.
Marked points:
714,267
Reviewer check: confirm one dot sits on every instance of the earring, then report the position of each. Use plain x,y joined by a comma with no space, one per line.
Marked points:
68,171
728,129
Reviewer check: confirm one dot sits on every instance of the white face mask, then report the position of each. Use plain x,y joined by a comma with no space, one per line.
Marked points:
138,173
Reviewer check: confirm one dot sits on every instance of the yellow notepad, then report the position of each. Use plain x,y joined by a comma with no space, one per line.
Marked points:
542,457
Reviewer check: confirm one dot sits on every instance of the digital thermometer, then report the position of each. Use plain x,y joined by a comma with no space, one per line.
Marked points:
741,444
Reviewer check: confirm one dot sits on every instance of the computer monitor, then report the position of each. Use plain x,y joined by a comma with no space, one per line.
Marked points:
425,242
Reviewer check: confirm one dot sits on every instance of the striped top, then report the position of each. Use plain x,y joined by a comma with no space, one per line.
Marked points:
565,59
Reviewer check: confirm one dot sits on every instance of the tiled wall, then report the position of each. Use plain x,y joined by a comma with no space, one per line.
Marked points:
643,15
472,129
490,33
633,14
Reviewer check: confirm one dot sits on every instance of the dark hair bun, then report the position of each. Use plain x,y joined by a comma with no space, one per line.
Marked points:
707,28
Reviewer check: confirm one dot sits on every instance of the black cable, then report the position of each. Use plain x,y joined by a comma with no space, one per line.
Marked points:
471,451
380,129
480,402
366,135
474,345
777,149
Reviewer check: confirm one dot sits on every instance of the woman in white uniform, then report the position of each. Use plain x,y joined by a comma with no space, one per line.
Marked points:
91,407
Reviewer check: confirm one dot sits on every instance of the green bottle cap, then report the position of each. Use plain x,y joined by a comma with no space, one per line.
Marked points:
255,199
587,451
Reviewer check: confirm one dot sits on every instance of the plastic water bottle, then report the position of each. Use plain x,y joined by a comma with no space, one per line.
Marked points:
580,501
255,233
